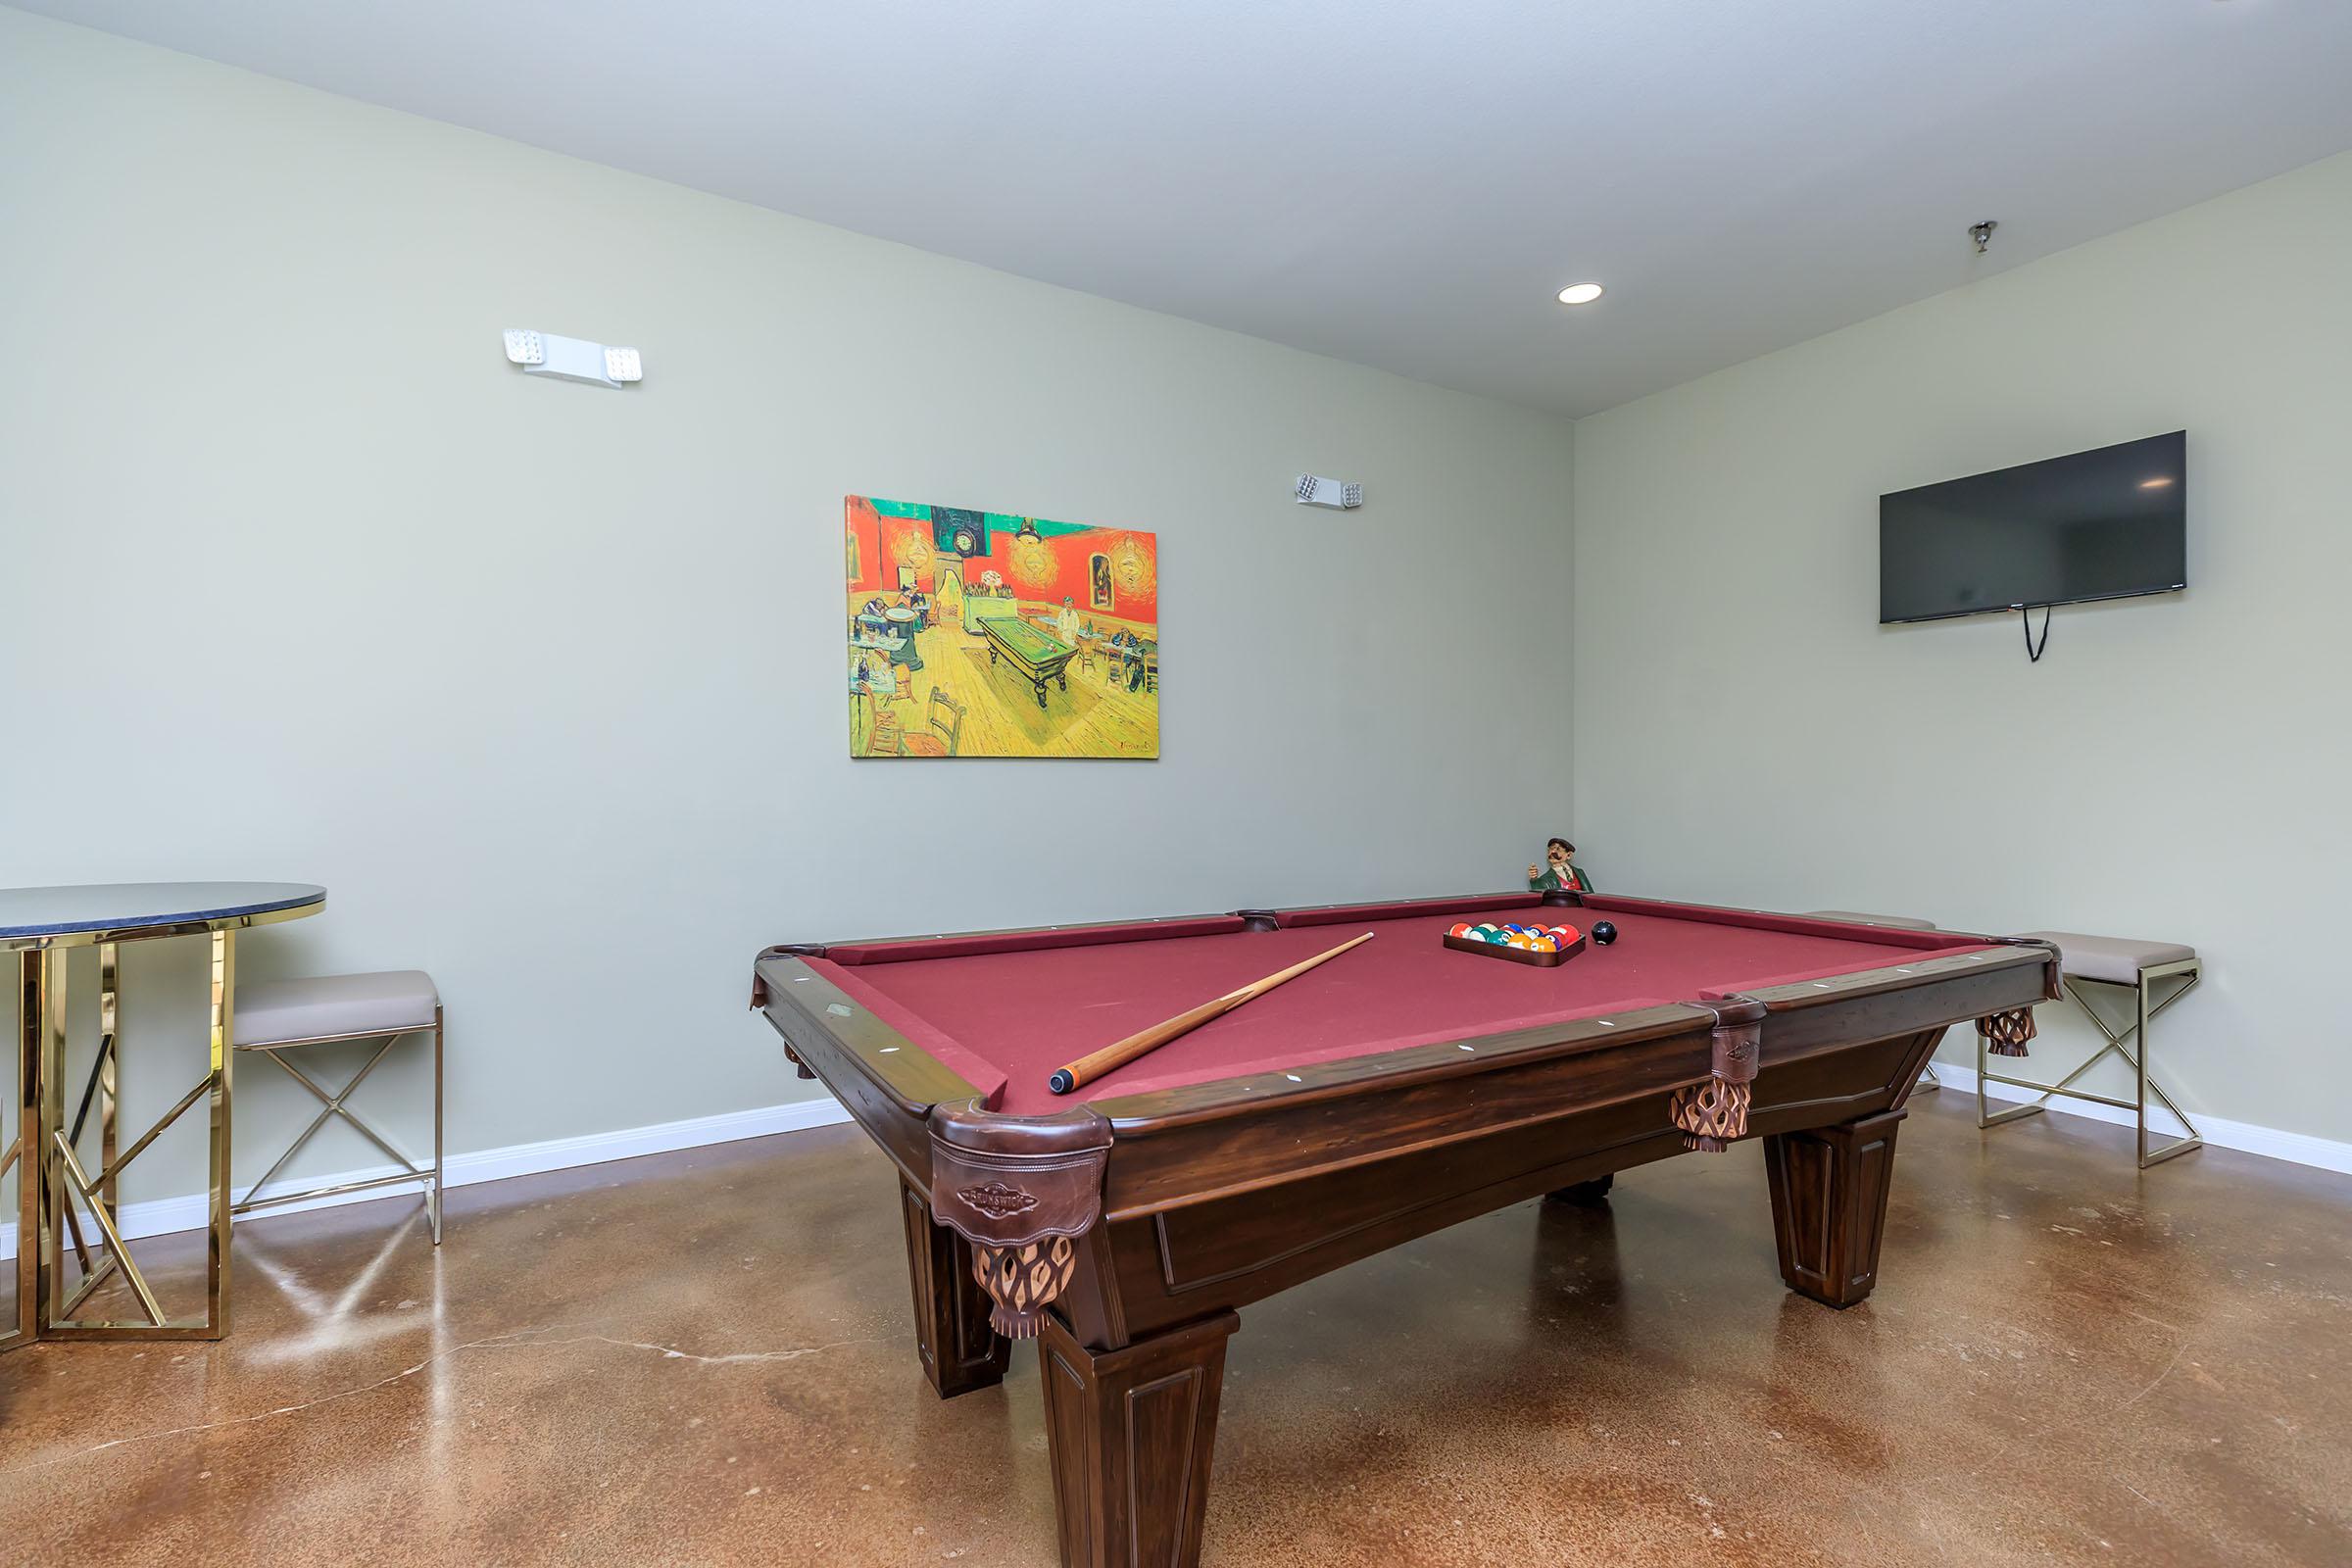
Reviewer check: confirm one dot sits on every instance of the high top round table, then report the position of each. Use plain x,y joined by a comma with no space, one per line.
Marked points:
55,1189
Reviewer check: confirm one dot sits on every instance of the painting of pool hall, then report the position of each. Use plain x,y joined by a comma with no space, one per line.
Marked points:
978,633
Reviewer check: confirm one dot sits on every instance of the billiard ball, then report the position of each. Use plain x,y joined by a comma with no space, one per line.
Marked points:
1604,932
1460,930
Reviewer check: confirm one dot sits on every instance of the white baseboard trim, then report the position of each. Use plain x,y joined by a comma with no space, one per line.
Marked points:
164,1215
2298,1149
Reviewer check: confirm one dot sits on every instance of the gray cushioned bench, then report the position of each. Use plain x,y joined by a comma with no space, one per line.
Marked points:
2122,964
273,1017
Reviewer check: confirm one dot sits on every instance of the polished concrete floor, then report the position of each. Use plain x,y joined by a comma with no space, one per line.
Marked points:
706,1358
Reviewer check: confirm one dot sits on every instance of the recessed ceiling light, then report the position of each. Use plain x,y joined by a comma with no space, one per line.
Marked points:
1580,293
2157,483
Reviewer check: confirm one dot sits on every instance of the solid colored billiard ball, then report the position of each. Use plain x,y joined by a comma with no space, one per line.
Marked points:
1603,932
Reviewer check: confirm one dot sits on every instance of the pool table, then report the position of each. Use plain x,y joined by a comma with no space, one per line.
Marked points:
1401,1088
1038,654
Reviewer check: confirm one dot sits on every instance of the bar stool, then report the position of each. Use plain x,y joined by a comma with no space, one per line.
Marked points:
1928,1083
278,1017
2138,969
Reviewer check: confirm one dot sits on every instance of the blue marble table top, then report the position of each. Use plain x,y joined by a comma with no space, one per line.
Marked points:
30,915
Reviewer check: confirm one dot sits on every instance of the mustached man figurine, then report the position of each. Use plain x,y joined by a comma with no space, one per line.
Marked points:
1559,874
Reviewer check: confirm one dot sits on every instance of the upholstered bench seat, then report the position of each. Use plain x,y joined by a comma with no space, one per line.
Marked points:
1902,922
2116,960
2138,967
275,1020
327,1006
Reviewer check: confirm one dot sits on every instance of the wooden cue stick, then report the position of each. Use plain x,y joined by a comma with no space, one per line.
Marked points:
1086,1069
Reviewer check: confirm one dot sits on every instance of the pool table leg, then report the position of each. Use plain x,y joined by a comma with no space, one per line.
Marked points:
960,1353
1584,1195
1129,1433
1829,1204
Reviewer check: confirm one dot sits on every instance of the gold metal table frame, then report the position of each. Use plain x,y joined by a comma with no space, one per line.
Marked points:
2186,972
56,1190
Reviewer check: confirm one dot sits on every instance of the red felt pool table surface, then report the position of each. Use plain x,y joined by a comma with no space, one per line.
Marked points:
1004,1013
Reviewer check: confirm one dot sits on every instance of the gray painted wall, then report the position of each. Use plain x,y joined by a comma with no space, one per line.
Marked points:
2174,769
543,681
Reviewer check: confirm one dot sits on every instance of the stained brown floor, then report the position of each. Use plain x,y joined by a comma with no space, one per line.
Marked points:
705,1358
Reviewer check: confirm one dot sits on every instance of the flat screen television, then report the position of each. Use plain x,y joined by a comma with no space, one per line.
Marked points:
2103,524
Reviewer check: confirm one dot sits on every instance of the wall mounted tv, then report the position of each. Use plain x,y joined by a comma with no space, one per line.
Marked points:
2103,524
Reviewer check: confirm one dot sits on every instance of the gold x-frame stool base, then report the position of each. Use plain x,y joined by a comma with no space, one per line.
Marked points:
2145,1007
429,1178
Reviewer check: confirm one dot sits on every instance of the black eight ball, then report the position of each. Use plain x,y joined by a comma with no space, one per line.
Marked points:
1604,932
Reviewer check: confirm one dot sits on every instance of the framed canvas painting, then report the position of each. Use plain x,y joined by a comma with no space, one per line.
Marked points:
977,633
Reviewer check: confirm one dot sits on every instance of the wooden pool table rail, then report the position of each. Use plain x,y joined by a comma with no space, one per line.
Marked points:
1195,1145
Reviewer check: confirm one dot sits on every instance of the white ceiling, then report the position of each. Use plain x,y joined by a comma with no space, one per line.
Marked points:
1401,182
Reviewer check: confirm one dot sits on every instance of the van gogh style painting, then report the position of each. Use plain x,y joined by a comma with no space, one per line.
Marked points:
978,633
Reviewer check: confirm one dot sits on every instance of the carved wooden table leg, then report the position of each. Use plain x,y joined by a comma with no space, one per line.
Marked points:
961,1352
1829,1205
1131,1432
1584,1194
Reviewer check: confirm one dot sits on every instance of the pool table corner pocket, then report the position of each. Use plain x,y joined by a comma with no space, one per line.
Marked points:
1021,1190
2007,1033
1713,1112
